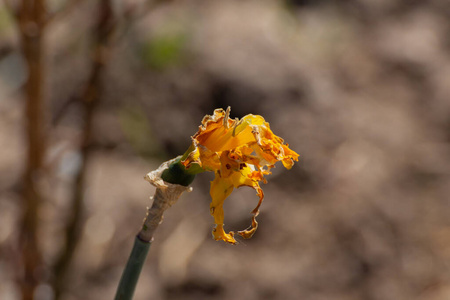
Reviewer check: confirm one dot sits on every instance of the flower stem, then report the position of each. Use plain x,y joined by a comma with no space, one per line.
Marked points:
166,195
154,216
132,270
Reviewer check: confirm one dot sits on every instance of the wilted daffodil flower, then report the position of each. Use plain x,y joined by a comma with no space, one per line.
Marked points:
240,152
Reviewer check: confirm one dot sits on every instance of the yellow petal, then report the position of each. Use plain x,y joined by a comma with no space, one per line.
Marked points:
220,235
220,189
222,139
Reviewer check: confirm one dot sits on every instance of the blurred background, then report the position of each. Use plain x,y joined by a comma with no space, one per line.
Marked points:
95,94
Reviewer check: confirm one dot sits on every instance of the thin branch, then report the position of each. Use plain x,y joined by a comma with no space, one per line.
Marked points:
31,32
103,34
90,99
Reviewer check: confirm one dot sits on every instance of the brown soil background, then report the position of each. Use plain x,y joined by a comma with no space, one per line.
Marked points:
359,88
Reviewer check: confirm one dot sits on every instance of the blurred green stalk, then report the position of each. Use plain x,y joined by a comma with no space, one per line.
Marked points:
132,270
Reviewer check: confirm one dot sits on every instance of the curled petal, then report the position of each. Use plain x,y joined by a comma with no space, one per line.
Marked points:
248,233
221,188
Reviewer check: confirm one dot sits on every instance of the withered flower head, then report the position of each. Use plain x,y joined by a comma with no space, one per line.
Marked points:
240,152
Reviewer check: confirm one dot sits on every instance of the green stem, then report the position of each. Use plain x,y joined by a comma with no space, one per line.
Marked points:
132,270
166,195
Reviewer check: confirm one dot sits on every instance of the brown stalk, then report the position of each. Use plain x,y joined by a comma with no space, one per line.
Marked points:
30,14
90,99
